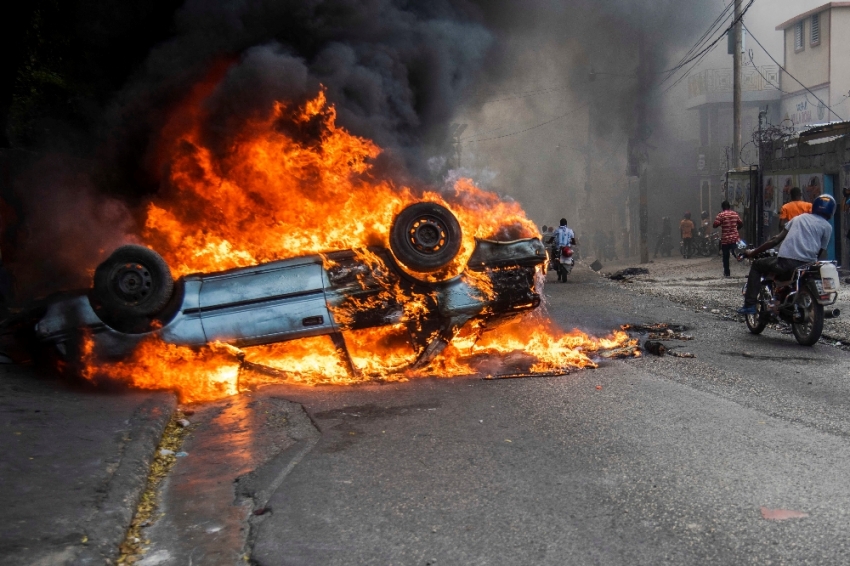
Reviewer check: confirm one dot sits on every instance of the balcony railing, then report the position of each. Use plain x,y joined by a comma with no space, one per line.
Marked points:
720,80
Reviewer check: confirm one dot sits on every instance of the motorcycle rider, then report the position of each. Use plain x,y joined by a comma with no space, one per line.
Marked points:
564,236
804,239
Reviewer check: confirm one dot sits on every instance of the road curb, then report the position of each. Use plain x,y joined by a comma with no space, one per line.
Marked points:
107,527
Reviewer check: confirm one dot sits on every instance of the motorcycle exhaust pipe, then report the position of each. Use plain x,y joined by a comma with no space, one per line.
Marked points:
831,313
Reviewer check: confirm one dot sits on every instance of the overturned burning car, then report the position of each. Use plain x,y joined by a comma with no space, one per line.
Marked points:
134,296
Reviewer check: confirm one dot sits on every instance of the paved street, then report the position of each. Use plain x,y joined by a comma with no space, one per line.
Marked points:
671,461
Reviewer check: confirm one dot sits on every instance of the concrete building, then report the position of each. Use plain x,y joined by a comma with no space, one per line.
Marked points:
710,94
817,46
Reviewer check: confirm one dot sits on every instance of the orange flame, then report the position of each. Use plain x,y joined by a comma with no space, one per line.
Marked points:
295,183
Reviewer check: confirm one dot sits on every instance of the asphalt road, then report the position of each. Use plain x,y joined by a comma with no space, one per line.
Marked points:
672,461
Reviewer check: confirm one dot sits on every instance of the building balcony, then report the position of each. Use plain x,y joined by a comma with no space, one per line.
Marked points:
714,86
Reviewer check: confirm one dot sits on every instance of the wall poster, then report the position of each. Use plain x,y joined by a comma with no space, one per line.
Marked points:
786,182
812,186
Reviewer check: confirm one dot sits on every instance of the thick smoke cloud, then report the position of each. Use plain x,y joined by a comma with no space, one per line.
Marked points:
398,72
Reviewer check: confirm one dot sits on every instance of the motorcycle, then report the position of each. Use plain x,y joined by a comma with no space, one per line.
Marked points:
562,260
709,245
799,301
566,262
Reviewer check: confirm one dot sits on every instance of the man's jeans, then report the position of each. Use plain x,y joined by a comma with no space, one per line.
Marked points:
727,249
769,265
687,244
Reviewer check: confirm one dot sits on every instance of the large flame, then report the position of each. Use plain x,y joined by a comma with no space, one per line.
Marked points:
295,183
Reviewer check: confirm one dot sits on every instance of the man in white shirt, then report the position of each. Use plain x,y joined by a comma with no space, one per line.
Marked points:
804,239
564,236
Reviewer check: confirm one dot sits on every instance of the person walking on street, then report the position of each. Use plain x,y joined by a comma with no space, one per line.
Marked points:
804,239
729,223
795,207
686,228
564,236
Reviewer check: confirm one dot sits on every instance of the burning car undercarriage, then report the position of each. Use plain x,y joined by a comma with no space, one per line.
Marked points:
301,297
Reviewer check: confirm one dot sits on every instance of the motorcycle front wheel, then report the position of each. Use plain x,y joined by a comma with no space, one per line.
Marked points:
809,331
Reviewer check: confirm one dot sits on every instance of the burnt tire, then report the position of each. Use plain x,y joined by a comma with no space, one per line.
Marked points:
425,237
133,282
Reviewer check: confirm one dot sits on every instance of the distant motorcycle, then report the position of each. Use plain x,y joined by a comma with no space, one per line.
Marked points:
566,262
709,245
799,301
561,259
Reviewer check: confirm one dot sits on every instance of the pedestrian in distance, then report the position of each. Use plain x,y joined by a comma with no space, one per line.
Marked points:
686,229
795,207
804,239
729,223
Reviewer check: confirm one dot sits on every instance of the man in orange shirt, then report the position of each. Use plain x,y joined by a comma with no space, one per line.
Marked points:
686,227
795,207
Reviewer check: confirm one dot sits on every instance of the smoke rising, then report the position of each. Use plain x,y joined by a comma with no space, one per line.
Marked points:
398,72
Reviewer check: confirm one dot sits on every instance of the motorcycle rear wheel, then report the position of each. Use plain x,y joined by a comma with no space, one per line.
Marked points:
808,333
757,322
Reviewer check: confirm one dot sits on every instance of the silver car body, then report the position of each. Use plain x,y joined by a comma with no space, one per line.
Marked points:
296,298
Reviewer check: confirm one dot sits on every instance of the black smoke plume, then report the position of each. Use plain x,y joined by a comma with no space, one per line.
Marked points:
397,71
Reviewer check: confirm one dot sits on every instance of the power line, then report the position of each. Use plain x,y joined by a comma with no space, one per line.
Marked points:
724,15
840,119
710,45
540,125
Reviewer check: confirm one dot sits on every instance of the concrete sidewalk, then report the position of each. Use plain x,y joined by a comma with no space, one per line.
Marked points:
75,461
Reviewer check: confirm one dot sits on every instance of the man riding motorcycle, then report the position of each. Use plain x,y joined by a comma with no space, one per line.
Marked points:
564,236
804,239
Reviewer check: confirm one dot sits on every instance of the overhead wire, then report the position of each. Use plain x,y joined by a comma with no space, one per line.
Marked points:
701,53
540,125
724,15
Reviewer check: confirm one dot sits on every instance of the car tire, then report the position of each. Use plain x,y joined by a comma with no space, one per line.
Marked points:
133,282
425,237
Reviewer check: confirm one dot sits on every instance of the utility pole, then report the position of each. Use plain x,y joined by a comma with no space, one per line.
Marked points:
455,131
736,90
643,220
588,155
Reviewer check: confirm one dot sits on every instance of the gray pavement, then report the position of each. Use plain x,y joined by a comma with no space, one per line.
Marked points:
671,461
75,461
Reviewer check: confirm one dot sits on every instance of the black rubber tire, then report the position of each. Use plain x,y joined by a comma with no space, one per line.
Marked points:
808,334
425,237
133,282
757,322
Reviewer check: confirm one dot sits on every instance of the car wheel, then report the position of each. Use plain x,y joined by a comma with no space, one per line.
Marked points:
425,237
133,282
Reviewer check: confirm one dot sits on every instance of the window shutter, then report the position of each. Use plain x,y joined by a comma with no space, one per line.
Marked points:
815,29
798,35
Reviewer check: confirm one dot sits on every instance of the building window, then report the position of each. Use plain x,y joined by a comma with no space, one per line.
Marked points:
798,36
815,35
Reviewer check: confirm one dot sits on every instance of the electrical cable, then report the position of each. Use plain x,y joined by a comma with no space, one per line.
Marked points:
840,119
556,118
724,15
711,45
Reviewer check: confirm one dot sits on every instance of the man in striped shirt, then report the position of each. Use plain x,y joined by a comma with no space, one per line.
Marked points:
729,223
